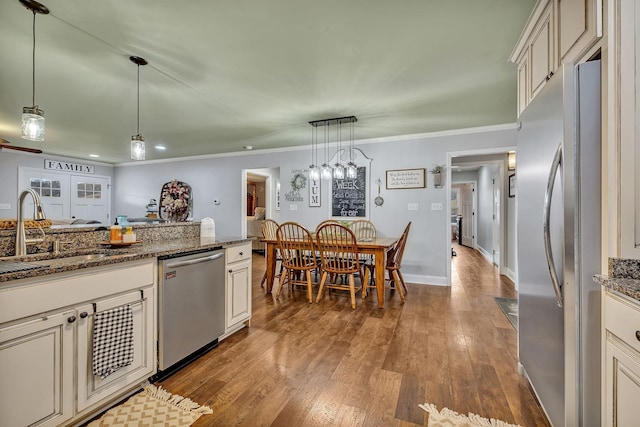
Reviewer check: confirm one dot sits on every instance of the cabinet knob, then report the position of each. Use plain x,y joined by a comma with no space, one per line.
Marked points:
241,253
230,271
638,335
71,319
549,75
83,315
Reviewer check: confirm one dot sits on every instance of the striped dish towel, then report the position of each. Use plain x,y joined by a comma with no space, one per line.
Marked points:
112,340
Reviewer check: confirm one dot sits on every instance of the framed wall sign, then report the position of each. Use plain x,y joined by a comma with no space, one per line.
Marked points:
512,185
349,196
406,178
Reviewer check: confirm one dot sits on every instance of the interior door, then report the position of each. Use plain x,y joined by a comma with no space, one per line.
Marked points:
466,196
53,188
496,223
90,198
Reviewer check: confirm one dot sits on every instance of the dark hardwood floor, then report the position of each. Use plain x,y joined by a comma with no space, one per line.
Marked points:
302,364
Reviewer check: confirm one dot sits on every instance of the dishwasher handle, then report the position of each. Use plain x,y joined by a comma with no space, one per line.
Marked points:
195,261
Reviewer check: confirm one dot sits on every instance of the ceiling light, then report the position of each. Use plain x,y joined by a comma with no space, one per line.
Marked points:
352,168
160,147
33,117
94,155
137,140
314,170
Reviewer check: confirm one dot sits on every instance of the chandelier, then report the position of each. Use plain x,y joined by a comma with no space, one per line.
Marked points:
338,171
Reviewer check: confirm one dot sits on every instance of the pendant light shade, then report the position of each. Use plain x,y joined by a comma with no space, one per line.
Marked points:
338,171
33,117
314,170
33,123
137,140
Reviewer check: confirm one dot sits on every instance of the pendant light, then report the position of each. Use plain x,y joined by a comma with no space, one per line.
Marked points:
338,169
137,140
325,171
314,170
33,117
352,168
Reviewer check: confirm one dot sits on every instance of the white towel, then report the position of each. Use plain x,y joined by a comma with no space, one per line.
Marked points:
112,340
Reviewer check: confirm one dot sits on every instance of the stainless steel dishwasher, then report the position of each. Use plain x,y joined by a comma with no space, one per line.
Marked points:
191,307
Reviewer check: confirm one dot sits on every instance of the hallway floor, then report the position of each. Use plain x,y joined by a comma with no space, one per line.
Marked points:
302,364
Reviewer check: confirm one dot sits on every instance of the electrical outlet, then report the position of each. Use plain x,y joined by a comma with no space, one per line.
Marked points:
293,207
436,206
412,207
5,206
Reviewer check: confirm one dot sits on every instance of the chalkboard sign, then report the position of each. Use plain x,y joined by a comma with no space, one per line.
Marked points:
349,196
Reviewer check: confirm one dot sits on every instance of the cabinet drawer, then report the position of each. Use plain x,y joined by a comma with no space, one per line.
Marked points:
622,318
238,253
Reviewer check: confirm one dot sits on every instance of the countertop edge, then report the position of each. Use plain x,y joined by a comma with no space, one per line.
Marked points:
137,252
628,287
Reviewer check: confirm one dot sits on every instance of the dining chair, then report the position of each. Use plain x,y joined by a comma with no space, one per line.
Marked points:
339,254
326,221
295,243
394,264
269,228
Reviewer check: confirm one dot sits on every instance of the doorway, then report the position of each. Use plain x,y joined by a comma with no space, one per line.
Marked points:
480,177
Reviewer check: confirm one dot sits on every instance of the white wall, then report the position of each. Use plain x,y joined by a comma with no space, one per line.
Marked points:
217,177
10,161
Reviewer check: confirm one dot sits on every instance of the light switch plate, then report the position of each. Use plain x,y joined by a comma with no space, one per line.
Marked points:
5,206
412,207
436,206
293,207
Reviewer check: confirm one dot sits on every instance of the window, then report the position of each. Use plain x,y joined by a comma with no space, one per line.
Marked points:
45,187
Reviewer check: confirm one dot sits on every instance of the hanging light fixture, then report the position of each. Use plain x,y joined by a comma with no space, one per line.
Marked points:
314,170
338,168
33,117
352,168
137,140
325,171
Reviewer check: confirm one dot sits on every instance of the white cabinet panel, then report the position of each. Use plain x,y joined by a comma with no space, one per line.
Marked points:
36,371
238,287
542,50
580,26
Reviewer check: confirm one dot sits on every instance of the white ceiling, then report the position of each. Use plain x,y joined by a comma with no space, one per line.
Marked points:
226,74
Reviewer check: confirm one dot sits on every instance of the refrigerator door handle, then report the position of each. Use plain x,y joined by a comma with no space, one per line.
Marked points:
557,159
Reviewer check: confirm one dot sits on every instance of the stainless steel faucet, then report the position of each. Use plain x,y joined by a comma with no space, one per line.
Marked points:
38,215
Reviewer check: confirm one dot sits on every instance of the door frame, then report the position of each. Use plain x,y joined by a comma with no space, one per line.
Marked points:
502,174
269,191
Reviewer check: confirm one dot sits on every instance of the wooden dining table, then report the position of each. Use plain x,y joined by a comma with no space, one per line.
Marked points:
377,247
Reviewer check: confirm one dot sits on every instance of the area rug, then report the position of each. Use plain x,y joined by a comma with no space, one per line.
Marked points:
509,307
448,418
153,407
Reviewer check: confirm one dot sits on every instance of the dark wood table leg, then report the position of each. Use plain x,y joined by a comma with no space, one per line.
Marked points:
270,266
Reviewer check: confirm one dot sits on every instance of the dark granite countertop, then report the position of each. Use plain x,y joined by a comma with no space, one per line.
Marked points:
623,277
628,287
144,250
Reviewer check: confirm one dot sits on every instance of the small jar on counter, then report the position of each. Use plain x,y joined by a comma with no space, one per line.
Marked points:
129,236
116,234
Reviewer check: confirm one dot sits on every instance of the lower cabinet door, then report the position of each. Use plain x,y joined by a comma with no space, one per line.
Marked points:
238,293
622,406
36,371
91,388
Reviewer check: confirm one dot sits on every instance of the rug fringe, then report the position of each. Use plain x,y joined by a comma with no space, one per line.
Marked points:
474,418
176,400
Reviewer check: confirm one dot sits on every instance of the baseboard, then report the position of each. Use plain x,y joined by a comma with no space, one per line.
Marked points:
421,279
511,275
485,254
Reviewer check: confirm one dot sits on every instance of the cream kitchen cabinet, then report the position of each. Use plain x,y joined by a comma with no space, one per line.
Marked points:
579,27
624,114
46,341
621,361
557,31
36,367
238,287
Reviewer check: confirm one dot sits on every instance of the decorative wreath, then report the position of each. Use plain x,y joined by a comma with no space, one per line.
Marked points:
298,182
175,200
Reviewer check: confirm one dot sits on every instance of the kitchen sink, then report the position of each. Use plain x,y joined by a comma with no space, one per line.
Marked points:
69,259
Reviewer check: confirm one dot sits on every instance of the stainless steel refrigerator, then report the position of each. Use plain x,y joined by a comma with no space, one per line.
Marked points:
558,188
